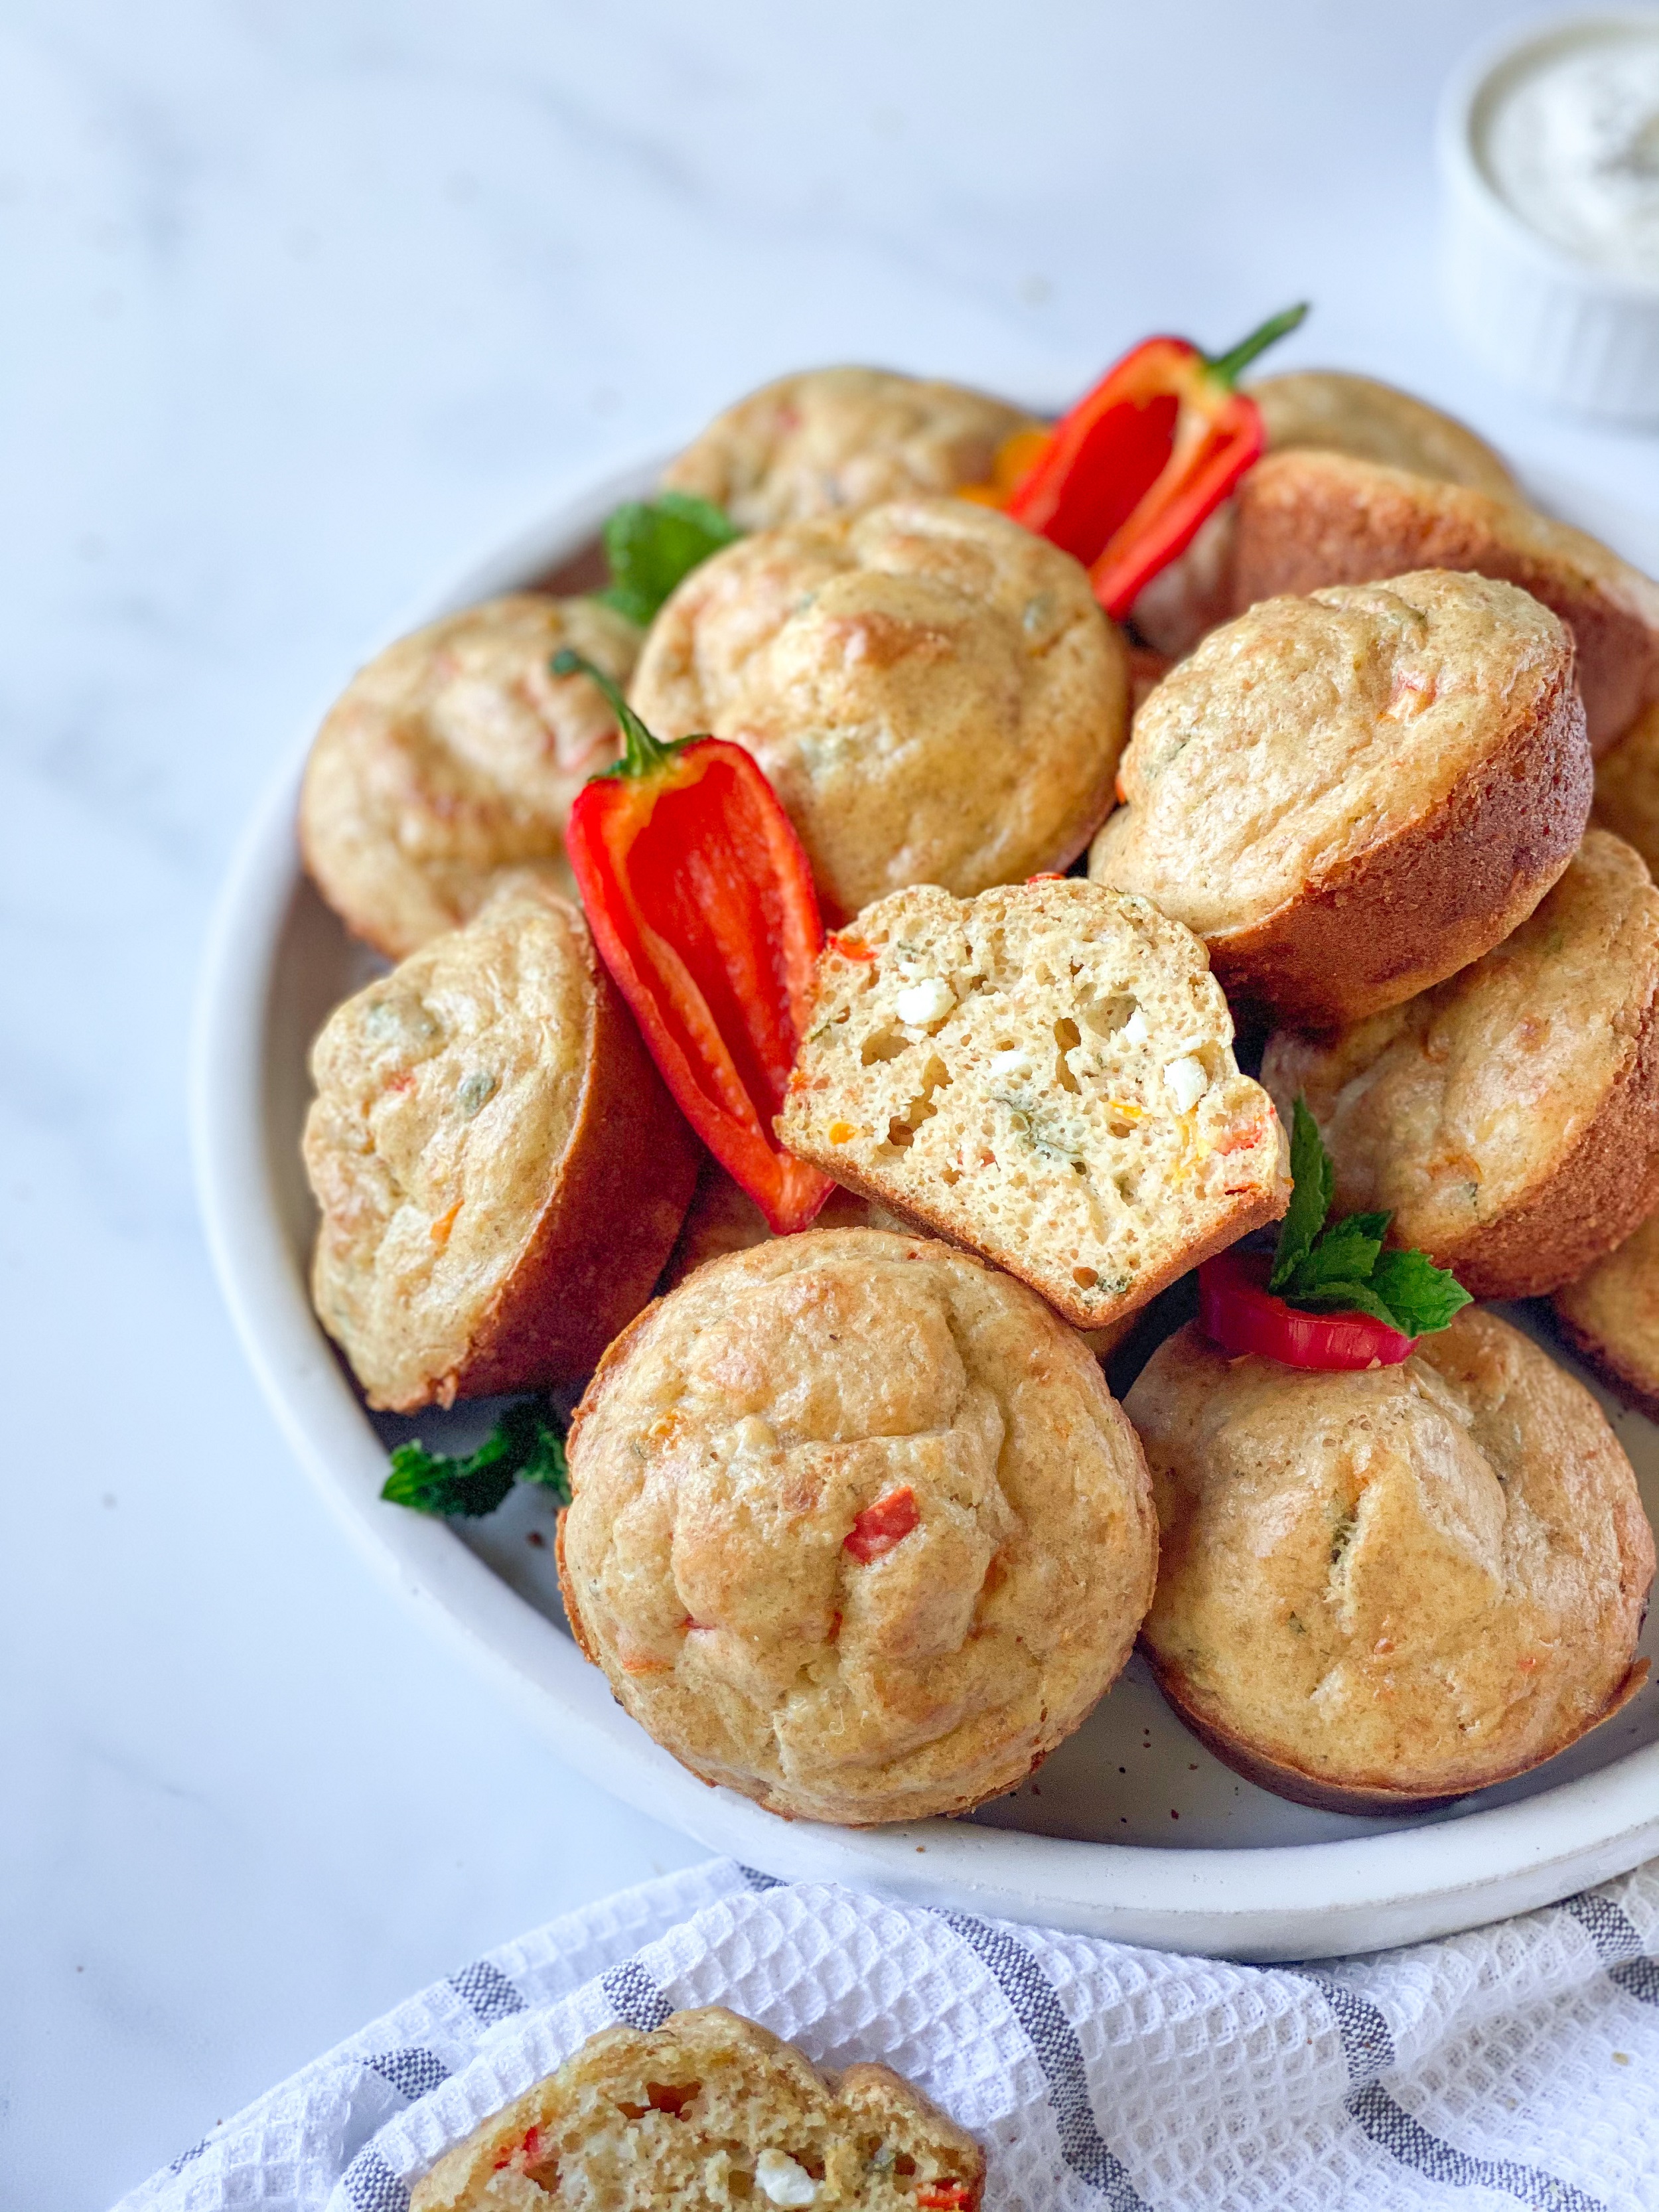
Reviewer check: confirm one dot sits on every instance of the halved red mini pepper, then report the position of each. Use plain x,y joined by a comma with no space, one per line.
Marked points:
1237,1309
1124,481
701,902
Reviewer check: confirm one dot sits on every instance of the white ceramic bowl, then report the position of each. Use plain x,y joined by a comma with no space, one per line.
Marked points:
1132,1830
1553,325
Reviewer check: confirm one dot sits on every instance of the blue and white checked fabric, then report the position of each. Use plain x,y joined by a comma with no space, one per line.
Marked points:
1516,2065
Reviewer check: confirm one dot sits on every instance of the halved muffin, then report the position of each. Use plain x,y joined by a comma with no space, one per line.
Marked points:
1307,519
825,439
1610,1316
1380,1589
454,758
1509,1119
500,1170
1044,1073
933,691
708,2110
1352,795
856,1528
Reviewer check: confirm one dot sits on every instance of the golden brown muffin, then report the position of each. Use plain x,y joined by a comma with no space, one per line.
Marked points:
1352,795
933,690
1379,1590
723,1219
707,2112
1627,787
830,439
1335,412
1310,518
1045,1074
1610,1316
452,757
500,1170
846,1388
1509,1119
1339,413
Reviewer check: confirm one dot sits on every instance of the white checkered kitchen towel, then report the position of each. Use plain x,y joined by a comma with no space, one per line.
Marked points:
1516,2065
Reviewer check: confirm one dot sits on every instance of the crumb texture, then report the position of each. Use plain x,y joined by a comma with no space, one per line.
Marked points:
454,756
1518,1092
829,439
706,2113
1418,1579
857,1527
1046,1074
933,691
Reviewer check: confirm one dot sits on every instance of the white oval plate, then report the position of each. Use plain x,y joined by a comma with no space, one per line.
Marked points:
1131,1830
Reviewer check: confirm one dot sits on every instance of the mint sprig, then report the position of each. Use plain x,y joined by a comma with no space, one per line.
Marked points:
524,1446
1342,1267
652,545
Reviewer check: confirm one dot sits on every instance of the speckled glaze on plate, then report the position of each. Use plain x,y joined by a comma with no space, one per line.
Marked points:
1132,1830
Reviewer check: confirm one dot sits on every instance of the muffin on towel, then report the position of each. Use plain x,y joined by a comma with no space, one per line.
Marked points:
1311,519
1380,1589
1610,1316
706,2112
828,438
500,1170
1509,1119
933,690
1046,1074
453,757
1352,795
856,1528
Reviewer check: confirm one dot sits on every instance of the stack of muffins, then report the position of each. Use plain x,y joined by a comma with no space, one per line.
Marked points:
857,1528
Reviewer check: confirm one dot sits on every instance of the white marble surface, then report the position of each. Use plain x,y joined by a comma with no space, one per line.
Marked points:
301,304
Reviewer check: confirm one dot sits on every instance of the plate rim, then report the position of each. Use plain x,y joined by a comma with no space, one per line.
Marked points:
1282,1901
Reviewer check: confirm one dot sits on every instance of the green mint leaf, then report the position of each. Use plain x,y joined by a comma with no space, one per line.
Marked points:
1313,1179
1344,1251
1335,1297
523,1445
1425,1297
651,545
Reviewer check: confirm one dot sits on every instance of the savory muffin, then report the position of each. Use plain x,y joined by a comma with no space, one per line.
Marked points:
706,2112
932,689
500,1170
829,439
1310,518
1382,1589
856,1528
1509,1119
1044,1073
1352,795
1627,787
453,757
722,1217
1610,1316
1336,412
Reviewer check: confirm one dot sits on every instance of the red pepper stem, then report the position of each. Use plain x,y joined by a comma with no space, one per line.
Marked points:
642,754
1226,368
